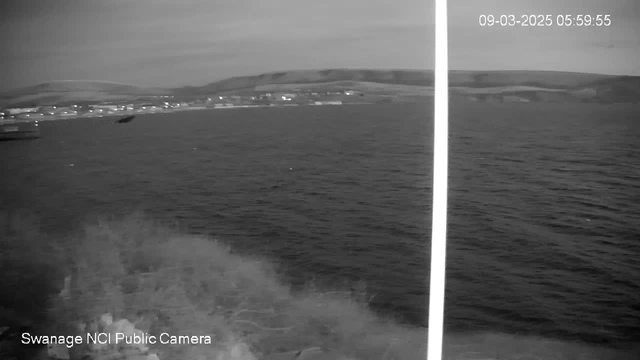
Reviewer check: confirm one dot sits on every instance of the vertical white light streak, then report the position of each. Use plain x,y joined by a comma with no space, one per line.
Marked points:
440,172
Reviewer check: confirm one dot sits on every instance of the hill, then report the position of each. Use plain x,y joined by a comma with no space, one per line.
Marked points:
64,91
398,77
528,85
405,77
539,86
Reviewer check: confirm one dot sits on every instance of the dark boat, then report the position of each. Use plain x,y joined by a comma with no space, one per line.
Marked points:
126,119
19,129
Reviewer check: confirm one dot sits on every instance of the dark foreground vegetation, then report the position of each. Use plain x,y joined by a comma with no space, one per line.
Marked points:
166,281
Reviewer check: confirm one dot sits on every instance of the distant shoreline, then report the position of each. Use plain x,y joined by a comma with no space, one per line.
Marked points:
166,111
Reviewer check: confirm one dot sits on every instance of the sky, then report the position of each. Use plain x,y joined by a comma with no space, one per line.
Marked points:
170,43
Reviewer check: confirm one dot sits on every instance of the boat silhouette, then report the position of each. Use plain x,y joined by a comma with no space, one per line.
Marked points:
126,119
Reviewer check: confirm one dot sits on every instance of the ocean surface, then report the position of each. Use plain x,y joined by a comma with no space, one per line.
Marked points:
544,215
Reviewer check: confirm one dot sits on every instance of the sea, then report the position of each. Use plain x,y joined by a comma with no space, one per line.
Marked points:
543,219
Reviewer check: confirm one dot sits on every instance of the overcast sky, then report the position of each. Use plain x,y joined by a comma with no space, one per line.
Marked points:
194,42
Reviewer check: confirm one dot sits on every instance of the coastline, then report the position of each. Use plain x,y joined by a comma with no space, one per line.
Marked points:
165,111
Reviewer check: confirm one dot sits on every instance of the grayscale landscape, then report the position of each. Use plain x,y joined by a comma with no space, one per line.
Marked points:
252,180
